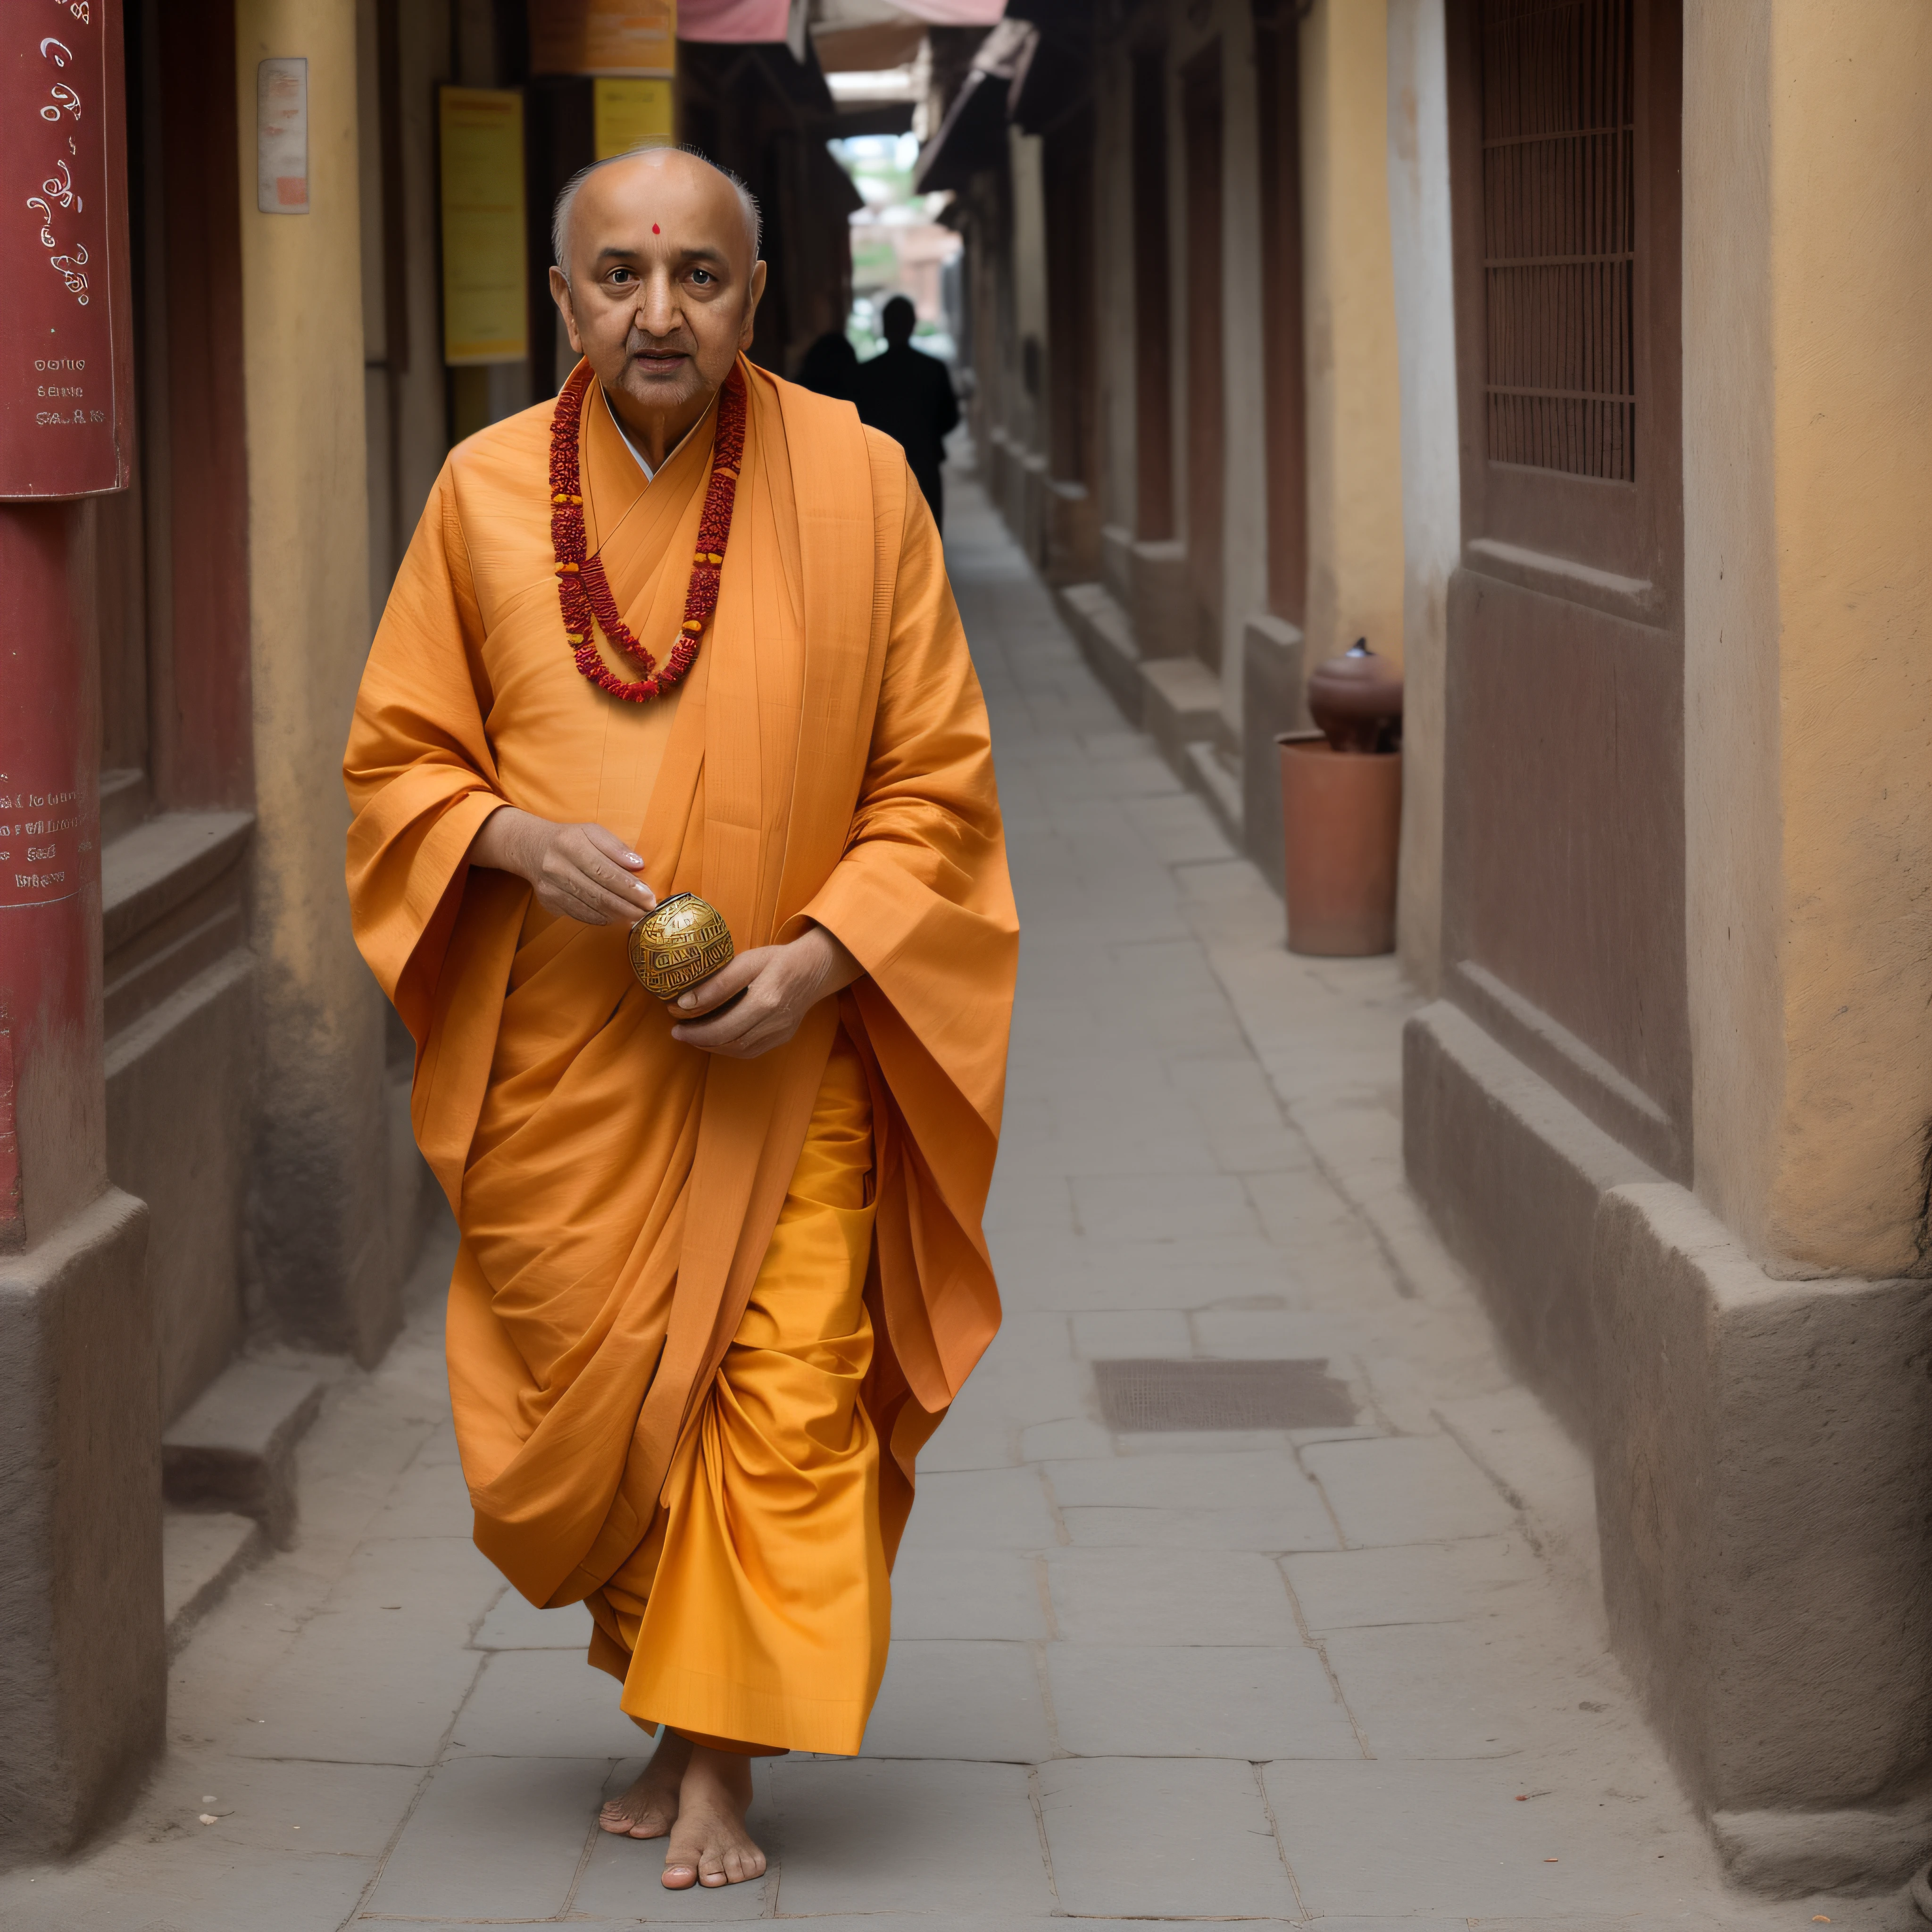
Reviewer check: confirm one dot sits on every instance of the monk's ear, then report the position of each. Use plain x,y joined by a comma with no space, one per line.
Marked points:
559,293
751,300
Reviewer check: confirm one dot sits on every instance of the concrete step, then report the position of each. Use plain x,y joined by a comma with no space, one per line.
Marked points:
202,1552
1180,705
234,1450
1105,633
1216,774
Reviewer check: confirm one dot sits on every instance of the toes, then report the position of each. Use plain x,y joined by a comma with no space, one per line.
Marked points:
679,1877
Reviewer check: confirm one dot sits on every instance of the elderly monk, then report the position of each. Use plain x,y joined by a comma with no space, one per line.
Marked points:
687,628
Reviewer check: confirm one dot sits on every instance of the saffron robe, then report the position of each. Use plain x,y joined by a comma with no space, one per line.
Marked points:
617,1192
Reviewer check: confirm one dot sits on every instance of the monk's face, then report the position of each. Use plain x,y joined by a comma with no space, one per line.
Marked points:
662,288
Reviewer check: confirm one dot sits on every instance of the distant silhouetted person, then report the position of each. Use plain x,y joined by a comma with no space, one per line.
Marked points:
830,366
909,395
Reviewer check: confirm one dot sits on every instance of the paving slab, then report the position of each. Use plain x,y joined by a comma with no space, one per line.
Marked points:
1128,1335
864,1837
515,1623
1154,1478
976,1700
183,1885
1415,1583
544,1703
1408,1489
1266,1531
376,1676
1166,1208
1163,1837
969,1593
1447,1690
981,1509
1173,1700
431,1499
1165,1596
1274,1334
285,1807
1455,1839
493,1838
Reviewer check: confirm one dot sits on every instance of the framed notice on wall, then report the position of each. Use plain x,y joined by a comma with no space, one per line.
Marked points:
616,37
281,135
626,114
485,296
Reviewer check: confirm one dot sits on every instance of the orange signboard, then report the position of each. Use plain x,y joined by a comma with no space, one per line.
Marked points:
638,36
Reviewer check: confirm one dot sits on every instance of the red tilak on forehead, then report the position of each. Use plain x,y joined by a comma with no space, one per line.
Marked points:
654,228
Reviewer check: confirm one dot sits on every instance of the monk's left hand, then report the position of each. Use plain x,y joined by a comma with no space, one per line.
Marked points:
779,985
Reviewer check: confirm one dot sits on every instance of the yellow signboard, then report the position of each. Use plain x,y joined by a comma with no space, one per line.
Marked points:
603,36
628,114
485,269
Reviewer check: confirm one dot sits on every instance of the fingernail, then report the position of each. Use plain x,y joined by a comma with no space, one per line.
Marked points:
632,859
686,1001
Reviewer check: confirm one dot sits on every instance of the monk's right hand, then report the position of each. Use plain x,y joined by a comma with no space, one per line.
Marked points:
582,872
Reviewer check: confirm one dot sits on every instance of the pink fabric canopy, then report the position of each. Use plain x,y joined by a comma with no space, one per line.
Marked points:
766,20
732,19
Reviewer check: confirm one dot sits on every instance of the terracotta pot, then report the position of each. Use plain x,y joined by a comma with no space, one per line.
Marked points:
1342,821
1356,699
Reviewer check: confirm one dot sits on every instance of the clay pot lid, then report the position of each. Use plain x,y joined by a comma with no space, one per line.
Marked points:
1356,700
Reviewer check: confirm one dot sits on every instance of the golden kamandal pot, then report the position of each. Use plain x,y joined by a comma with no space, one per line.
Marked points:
679,943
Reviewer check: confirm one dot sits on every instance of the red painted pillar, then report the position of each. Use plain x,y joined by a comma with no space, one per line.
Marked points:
50,1053
65,434
83,1696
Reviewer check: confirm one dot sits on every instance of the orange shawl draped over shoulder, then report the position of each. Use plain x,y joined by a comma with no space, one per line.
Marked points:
827,759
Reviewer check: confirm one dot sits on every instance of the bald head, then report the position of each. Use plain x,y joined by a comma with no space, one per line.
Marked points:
658,280
681,167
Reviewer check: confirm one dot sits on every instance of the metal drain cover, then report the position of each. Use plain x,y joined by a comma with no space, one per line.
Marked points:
1150,1396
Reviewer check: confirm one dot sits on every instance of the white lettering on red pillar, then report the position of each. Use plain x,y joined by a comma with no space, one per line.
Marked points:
60,134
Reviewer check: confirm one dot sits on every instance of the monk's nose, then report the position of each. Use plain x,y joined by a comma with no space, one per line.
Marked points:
656,313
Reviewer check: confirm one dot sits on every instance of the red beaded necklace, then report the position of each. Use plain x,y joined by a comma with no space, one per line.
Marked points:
583,590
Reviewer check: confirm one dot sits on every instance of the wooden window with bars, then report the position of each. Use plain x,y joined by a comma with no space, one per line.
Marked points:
1559,235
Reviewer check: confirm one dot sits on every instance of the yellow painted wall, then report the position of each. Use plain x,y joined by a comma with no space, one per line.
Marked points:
1355,434
322,1072
1851,177
1808,556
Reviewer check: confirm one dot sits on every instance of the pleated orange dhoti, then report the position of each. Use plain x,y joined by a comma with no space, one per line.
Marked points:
769,1630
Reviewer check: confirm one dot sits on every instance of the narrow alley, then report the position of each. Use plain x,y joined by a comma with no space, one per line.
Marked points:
1318,1643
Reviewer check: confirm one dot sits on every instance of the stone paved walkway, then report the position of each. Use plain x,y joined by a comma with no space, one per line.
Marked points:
1352,1673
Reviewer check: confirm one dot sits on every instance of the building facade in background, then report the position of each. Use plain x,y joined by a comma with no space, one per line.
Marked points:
1578,353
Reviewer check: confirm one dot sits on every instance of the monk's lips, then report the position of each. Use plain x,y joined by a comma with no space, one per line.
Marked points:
682,940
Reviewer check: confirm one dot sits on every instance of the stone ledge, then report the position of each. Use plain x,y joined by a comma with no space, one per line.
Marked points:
1105,636
1761,1447
1180,706
1511,1173
162,862
235,1448
202,1555
1272,702
1208,775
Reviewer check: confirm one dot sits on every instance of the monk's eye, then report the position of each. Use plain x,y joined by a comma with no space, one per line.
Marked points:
704,277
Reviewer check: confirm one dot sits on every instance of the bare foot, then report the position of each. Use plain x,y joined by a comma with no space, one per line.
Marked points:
649,1808
710,1845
